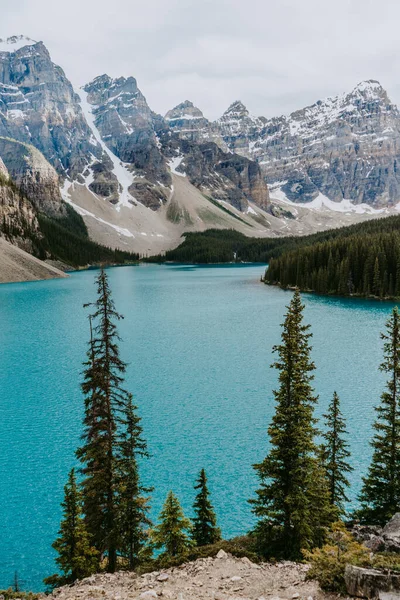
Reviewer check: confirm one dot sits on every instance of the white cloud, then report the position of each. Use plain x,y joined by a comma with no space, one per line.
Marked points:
275,56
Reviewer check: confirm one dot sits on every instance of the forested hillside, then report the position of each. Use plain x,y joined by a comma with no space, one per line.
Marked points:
223,246
362,260
67,239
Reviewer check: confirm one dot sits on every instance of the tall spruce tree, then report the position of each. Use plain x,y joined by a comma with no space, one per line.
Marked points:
77,558
380,494
104,396
205,530
133,506
292,503
173,531
335,454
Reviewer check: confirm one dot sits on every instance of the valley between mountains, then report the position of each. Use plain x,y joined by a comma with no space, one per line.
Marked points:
96,170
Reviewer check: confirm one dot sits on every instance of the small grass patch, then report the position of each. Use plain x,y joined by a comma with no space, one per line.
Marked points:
226,210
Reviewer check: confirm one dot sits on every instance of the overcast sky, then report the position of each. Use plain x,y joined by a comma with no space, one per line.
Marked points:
274,55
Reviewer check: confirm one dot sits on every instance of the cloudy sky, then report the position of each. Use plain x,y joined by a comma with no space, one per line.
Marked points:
274,55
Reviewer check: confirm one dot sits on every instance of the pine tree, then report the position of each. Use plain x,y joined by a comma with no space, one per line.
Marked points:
77,558
335,454
205,530
173,532
376,286
380,494
133,507
293,501
104,396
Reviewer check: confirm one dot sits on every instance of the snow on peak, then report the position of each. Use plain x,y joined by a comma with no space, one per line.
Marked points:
15,42
370,89
324,112
367,85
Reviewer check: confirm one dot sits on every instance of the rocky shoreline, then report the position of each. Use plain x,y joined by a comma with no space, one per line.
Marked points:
223,577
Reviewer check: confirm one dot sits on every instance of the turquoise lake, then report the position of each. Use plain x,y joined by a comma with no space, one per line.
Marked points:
198,341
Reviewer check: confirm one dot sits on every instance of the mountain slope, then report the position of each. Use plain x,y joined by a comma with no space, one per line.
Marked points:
33,216
17,265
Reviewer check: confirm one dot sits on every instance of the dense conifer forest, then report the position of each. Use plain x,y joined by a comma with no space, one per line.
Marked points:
220,246
67,240
228,245
362,260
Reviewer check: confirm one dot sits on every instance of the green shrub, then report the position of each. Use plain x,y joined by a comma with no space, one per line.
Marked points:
386,561
10,594
329,562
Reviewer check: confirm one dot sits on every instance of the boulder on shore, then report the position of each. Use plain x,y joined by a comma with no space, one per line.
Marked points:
377,539
371,583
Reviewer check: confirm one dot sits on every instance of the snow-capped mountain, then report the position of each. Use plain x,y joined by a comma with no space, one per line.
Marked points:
140,180
343,148
148,152
39,106
118,162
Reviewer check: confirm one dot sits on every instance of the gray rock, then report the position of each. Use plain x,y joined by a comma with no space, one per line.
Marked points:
222,554
148,594
223,176
391,531
163,577
127,126
17,214
369,583
189,122
33,175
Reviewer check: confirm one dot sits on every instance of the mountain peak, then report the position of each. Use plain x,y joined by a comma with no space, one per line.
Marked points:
100,80
370,89
15,42
237,108
184,111
368,84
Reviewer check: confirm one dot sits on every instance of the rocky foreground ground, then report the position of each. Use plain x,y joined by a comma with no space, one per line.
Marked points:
221,578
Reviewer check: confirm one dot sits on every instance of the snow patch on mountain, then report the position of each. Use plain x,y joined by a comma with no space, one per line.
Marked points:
125,177
174,163
86,213
323,202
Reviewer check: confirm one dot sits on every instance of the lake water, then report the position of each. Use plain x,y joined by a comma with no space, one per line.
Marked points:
198,342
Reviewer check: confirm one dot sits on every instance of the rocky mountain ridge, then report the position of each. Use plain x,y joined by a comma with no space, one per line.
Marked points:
342,148
114,157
